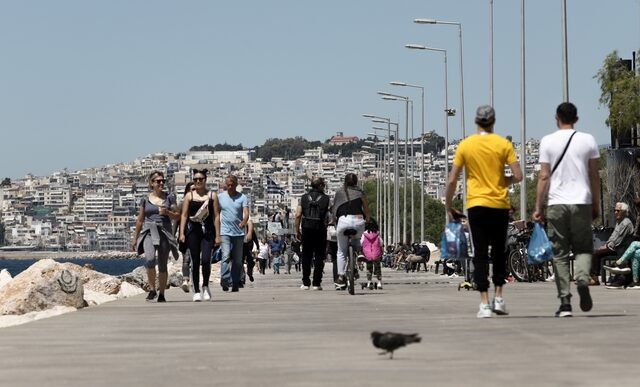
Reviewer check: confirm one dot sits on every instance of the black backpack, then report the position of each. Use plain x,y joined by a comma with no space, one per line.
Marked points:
313,215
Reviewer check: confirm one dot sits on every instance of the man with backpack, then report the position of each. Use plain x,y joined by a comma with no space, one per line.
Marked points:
311,229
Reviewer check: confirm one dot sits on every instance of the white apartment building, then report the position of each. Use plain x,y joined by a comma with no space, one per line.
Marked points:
94,207
57,196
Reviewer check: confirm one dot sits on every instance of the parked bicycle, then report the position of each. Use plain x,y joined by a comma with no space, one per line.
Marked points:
518,261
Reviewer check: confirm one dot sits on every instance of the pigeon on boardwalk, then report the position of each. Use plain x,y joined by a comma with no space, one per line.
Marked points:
390,341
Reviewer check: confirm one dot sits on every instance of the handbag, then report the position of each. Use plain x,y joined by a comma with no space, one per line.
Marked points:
203,211
539,249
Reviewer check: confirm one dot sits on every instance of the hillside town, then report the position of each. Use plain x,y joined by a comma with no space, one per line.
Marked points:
94,209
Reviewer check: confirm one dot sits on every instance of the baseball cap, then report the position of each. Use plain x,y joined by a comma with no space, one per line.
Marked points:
485,115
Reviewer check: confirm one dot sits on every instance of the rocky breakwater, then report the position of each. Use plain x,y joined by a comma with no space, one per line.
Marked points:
49,288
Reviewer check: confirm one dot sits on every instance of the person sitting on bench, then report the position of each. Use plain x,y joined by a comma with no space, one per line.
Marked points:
617,243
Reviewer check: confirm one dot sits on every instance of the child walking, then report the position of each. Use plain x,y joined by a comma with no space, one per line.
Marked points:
372,251
277,260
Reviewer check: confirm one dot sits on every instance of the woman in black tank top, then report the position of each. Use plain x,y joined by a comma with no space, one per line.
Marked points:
198,231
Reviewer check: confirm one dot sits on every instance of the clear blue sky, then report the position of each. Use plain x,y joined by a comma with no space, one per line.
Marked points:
87,83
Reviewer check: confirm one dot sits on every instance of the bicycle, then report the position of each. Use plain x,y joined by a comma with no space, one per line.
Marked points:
350,271
519,265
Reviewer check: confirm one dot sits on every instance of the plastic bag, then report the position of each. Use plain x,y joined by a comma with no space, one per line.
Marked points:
539,249
454,242
217,255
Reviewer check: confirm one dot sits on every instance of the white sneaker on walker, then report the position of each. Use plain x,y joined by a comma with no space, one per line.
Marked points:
499,307
484,311
206,293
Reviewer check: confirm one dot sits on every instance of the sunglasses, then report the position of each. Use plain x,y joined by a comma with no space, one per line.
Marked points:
196,179
160,181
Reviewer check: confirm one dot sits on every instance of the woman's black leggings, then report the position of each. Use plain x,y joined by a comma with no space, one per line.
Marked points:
200,249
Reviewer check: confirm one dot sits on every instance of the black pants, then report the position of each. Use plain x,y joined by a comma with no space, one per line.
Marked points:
489,228
332,251
314,247
200,249
247,257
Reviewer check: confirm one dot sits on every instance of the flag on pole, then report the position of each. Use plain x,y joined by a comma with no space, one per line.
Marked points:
273,187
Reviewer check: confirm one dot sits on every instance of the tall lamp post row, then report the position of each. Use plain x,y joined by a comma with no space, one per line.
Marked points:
447,111
451,112
404,84
386,188
464,134
395,97
392,222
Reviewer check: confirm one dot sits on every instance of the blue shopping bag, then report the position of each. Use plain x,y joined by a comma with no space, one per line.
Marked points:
454,242
539,249
217,255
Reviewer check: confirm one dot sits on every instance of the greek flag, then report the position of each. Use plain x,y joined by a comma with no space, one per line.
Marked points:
273,187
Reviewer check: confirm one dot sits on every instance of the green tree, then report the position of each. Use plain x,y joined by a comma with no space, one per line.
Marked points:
433,211
345,150
620,92
531,197
217,147
2,232
6,182
288,148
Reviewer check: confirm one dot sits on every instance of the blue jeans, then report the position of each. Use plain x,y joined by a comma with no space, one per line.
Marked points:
231,255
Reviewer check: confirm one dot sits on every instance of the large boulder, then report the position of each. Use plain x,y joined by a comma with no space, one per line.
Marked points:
138,276
5,277
95,281
43,285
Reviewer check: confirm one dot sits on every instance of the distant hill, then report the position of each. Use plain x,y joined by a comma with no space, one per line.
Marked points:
294,147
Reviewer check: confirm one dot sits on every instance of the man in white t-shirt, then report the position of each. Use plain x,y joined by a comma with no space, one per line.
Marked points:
569,179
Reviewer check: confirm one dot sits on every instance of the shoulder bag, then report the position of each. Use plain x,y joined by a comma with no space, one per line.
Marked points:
563,152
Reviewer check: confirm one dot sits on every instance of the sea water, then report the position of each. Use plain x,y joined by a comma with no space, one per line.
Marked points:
106,266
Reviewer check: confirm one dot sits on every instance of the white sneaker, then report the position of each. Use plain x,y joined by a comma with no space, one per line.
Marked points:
197,297
454,275
484,311
498,306
206,293
185,286
304,287
379,285
317,288
551,279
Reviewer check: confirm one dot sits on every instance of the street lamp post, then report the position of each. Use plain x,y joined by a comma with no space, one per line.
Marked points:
386,214
447,111
565,55
395,97
491,55
393,214
378,157
387,229
433,21
523,120
421,163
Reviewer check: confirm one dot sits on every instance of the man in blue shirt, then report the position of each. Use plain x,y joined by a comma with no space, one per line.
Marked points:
234,215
